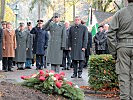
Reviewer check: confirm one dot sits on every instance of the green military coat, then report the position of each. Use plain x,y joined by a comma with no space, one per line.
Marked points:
56,43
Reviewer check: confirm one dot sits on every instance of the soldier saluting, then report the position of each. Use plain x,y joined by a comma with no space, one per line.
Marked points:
120,44
57,42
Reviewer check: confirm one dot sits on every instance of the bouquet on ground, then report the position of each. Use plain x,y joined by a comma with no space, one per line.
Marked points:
52,83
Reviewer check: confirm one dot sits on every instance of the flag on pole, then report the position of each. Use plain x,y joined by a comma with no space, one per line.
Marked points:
89,21
94,29
92,22
95,25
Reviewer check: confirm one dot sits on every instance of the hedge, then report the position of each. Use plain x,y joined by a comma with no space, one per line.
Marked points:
102,72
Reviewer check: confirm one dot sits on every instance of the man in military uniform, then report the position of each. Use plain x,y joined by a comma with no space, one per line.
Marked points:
57,42
120,44
40,43
22,37
78,39
29,53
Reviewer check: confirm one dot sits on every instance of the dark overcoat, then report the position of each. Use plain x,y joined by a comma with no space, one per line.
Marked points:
100,41
56,42
67,36
29,53
78,39
41,40
22,38
89,45
1,39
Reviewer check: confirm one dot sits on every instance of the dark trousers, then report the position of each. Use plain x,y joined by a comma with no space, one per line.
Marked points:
86,61
100,52
39,61
7,63
28,63
55,68
76,68
45,63
66,54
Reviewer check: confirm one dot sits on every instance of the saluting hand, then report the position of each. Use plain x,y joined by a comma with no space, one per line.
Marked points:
83,49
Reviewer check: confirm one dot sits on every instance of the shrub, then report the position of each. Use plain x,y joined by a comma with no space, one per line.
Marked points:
102,72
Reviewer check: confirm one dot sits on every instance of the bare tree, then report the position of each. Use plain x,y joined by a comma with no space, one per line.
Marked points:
2,10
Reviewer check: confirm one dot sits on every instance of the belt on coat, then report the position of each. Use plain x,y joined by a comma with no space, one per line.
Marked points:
125,40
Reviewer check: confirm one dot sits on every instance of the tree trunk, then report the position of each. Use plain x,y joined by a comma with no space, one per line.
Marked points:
2,10
39,9
73,11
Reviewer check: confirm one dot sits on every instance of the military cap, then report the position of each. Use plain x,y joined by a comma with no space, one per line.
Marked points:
100,26
56,15
28,23
8,23
3,22
21,24
40,21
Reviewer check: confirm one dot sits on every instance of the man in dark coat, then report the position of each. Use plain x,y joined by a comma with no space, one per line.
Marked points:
22,37
1,38
3,27
40,43
106,28
29,53
66,51
56,43
78,39
89,47
100,41
88,50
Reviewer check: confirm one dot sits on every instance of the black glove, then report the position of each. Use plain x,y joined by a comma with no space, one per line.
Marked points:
62,48
114,55
51,19
45,48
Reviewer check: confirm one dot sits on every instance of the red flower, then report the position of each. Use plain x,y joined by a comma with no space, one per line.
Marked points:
47,75
62,74
47,71
58,84
69,83
42,78
57,76
41,72
23,77
51,71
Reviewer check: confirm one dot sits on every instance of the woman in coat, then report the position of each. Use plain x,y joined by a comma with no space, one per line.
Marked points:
100,41
9,46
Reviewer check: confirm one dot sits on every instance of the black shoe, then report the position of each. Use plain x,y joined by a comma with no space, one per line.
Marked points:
6,70
10,70
64,69
68,68
27,67
79,76
73,76
20,69
37,68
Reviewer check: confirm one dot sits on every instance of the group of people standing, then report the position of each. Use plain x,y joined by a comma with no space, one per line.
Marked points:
60,40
